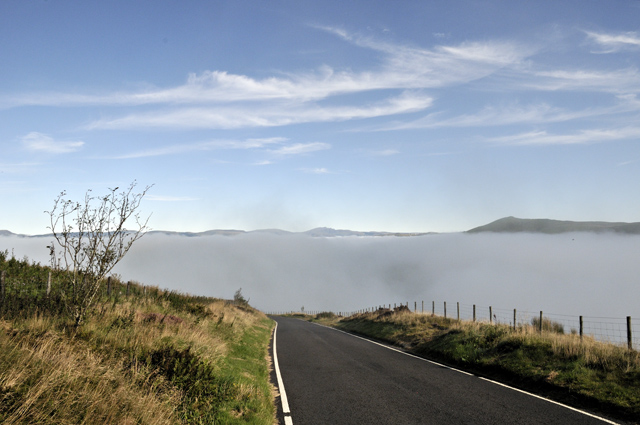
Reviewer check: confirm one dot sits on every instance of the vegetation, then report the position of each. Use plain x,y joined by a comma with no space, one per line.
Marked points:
90,238
141,356
581,372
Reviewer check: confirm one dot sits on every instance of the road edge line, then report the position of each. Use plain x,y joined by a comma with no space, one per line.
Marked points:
283,394
477,376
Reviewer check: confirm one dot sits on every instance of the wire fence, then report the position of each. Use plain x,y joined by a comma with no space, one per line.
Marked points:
29,289
615,330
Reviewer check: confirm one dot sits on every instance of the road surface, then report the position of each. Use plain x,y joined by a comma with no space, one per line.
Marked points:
331,377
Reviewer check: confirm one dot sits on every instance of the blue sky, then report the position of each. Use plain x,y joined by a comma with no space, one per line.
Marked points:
367,115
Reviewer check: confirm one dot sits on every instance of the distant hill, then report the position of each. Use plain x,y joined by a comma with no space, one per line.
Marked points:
515,225
324,232
329,232
503,225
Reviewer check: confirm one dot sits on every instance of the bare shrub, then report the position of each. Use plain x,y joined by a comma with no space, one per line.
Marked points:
90,238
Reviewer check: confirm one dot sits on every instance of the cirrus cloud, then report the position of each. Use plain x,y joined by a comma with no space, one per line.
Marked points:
38,142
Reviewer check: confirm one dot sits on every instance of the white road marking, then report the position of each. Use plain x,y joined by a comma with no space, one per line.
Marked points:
550,401
283,393
471,374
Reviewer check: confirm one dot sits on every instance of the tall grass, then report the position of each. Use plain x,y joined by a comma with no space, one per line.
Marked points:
154,357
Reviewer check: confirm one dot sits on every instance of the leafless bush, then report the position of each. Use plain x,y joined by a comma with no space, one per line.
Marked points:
90,239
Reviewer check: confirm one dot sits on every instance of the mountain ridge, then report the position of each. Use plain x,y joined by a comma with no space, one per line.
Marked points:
503,225
548,226
316,232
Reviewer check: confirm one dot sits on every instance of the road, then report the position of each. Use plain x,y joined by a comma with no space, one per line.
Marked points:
331,377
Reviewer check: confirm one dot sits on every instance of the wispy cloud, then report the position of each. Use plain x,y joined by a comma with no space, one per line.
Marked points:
265,115
580,137
321,170
301,148
265,145
625,163
612,43
39,142
17,168
384,152
402,67
204,146
500,115
615,81
221,100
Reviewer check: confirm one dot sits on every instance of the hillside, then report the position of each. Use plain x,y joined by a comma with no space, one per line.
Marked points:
521,225
143,356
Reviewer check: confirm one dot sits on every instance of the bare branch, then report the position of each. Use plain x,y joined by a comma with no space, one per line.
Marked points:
90,238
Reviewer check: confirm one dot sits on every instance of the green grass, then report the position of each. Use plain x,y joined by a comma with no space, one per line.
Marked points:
581,372
155,357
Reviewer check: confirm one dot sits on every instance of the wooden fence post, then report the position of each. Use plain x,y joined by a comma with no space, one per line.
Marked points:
415,306
458,307
581,328
433,308
109,286
514,319
629,333
49,284
474,312
490,315
445,309
540,324
422,306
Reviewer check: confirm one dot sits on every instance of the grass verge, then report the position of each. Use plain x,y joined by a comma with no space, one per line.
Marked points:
583,372
152,358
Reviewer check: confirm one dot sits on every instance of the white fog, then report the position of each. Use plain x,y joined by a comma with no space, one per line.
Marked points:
574,274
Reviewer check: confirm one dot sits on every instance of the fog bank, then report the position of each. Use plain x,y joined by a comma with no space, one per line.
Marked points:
577,274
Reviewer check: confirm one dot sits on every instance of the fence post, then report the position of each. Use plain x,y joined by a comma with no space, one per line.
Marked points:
540,324
422,306
445,309
49,284
581,328
458,306
433,308
415,306
629,333
474,312
490,315
514,319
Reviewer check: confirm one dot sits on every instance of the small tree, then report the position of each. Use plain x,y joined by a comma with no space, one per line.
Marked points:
239,299
89,240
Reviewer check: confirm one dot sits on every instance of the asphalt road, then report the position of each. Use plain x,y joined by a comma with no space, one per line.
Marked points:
334,378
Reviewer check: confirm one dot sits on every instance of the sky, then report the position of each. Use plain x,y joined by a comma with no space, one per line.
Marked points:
404,116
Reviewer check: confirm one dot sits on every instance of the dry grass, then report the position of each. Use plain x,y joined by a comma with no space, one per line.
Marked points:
100,372
47,380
